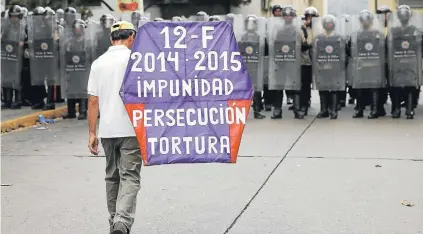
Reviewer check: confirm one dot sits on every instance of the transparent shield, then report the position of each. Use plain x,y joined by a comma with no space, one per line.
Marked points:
284,39
237,23
251,46
76,64
405,51
12,37
367,54
329,56
43,36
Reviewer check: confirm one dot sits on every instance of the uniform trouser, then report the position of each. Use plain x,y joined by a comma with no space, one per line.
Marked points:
82,109
50,94
268,95
277,98
328,101
123,166
38,93
257,106
296,95
365,96
306,78
26,84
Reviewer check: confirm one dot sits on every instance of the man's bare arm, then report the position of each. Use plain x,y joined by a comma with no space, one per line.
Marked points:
92,114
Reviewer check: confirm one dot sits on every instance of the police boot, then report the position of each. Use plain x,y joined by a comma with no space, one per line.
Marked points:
17,104
375,105
8,95
71,109
409,113
257,105
298,114
267,96
396,103
324,113
82,109
50,99
335,104
277,113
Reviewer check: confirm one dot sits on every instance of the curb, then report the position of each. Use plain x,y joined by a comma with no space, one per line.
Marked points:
31,119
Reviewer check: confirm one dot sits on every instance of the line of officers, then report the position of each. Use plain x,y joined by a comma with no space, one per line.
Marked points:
47,55
370,56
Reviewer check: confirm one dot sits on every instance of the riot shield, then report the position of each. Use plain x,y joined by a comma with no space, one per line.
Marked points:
43,50
76,61
237,23
12,37
284,39
367,54
329,56
251,46
405,52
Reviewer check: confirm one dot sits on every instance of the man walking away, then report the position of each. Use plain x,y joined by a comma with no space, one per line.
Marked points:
123,158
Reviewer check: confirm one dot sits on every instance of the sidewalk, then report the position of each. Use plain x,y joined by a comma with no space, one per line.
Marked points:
25,117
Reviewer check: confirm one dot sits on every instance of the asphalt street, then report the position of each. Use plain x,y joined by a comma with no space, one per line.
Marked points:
292,176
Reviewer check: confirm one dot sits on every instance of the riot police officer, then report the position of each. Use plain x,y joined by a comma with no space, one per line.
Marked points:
329,54
367,50
78,48
405,43
251,45
12,42
103,36
277,11
306,63
285,40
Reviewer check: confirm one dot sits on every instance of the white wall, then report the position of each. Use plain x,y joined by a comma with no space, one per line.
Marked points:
253,8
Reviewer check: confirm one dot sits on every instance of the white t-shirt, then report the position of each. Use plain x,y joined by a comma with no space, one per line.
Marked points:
105,81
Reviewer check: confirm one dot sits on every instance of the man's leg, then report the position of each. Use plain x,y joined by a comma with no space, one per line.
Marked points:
112,175
129,171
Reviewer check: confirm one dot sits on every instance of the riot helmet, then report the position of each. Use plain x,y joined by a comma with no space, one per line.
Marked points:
383,10
276,10
24,12
328,22
136,17
158,19
47,8
176,19
70,15
366,19
312,11
251,23
39,10
404,14
78,27
201,16
49,14
230,17
214,18
288,13
15,13
107,20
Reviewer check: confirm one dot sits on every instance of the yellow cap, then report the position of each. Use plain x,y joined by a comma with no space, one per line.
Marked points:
122,25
